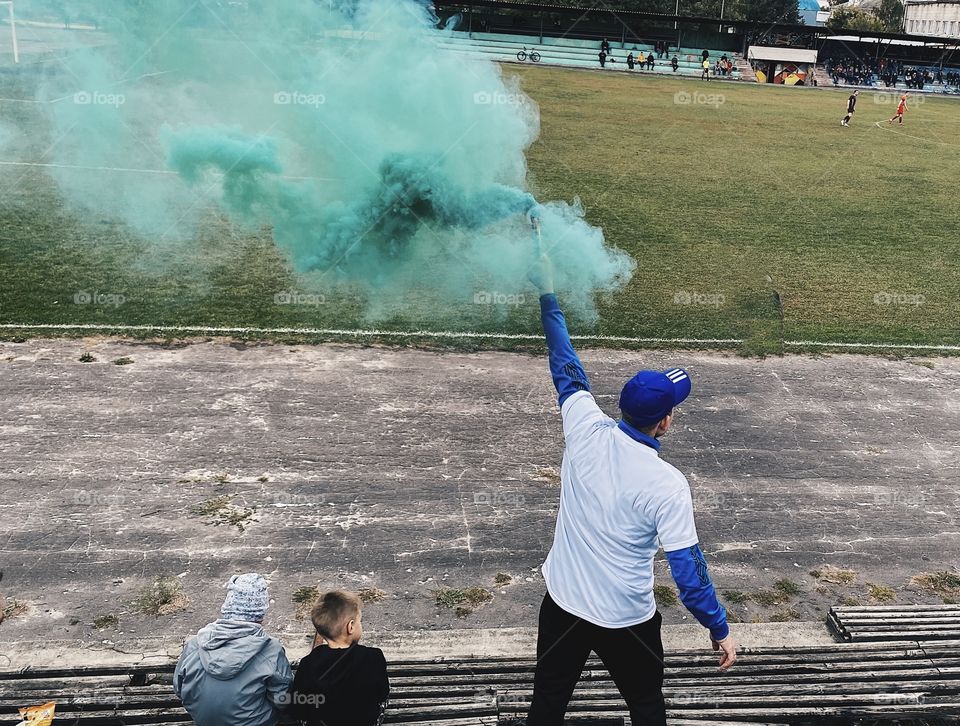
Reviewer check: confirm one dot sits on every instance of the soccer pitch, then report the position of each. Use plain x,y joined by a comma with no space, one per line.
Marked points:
753,216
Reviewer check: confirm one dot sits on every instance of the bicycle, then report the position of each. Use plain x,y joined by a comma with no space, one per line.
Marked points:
522,55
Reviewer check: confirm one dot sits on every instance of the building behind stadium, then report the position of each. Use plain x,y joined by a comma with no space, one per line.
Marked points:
932,17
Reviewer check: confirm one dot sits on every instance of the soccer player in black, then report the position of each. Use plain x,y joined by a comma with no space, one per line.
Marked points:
851,107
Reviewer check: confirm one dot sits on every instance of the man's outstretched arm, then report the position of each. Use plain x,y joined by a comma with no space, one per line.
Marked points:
565,366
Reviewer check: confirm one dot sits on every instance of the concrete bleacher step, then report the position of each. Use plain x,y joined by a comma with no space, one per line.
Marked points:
905,679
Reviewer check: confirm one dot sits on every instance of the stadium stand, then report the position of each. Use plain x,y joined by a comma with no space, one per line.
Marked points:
579,53
889,75
914,680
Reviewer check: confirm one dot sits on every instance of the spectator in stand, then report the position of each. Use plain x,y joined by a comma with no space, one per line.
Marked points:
232,672
340,682
650,61
718,68
674,63
605,46
705,75
630,61
603,59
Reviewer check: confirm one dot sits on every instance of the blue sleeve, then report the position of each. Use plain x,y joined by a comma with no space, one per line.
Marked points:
689,570
565,367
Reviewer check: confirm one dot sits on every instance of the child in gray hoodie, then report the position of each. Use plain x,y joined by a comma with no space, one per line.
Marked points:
232,672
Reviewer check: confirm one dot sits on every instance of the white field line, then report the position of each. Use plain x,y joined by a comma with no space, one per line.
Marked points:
446,334
166,172
85,168
349,333
889,127
898,346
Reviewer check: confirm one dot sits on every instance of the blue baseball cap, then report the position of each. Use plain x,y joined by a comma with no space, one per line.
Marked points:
650,395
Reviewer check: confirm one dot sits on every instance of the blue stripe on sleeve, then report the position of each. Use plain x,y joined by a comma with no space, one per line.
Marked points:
689,570
565,367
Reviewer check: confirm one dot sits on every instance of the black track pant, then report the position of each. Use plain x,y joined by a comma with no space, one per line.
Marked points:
634,657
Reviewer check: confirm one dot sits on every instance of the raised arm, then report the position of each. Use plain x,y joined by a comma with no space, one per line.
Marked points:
565,366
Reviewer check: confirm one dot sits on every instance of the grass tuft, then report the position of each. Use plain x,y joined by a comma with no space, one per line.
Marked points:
219,510
306,595
665,596
371,594
104,622
769,598
735,597
943,583
13,609
164,597
834,575
881,593
787,587
463,600
786,616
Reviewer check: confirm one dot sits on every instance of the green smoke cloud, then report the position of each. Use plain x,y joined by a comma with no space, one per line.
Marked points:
375,157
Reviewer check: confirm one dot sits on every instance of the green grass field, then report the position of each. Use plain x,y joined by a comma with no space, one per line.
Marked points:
751,213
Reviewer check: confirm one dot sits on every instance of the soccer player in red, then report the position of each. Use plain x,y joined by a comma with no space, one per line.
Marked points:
901,109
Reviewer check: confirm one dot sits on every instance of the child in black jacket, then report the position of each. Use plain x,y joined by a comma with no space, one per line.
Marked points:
340,683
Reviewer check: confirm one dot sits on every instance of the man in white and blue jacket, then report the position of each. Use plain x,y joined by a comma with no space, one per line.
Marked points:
619,503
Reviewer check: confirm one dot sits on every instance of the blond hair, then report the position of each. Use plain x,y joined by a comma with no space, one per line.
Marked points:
333,610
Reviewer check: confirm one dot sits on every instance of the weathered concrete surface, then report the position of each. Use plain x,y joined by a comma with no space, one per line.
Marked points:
397,645
407,470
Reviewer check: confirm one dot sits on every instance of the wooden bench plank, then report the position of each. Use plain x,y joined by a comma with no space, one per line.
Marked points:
773,686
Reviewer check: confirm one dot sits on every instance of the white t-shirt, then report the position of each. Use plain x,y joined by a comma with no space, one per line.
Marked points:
619,502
